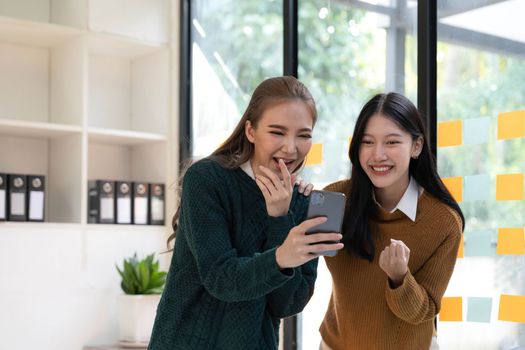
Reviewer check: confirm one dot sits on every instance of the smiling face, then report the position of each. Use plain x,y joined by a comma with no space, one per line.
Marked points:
284,131
384,154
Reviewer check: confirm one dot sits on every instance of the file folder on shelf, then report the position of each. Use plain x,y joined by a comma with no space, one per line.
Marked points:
101,205
123,202
140,203
3,196
156,204
35,197
16,198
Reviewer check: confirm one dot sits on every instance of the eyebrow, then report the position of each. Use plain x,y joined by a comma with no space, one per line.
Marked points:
281,127
389,135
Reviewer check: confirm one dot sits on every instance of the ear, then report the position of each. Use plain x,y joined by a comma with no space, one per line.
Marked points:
249,131
417,147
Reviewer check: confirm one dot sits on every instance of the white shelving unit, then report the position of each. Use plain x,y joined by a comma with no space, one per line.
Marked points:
87,91
86,100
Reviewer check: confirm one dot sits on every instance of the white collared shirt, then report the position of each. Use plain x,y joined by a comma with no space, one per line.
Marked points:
408,202
247,168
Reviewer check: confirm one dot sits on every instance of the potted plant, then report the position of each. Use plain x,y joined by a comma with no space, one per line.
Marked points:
142,283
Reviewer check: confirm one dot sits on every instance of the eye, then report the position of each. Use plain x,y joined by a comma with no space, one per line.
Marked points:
280,133
366,142
305,136
392,142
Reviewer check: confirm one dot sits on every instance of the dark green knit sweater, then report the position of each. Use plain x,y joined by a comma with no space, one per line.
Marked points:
224,289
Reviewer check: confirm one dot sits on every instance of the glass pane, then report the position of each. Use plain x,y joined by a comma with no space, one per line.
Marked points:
349,51
236,44
481,67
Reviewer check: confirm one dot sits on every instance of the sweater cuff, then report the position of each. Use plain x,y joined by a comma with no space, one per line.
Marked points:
272,271
402,288
401,297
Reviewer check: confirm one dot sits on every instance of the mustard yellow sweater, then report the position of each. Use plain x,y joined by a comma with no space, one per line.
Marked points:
364,312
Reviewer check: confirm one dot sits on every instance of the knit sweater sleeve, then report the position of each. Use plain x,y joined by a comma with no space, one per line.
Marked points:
204,221
418,299
291,297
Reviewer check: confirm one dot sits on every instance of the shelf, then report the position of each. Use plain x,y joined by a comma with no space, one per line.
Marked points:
36,34
58,159
37,129
137,162
129,93
36,225
123,137
150,229
144,20
120,46
41,80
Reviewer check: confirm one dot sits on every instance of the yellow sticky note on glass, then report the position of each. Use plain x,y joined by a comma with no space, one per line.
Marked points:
455,186
315,156
511,125
511,241
451,309
512,308
509,187
449,133
461,249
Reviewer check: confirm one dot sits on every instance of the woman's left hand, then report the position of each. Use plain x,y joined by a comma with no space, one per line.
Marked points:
304,187
277,193
394,261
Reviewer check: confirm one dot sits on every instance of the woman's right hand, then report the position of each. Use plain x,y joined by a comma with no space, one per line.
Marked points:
277,193
299,248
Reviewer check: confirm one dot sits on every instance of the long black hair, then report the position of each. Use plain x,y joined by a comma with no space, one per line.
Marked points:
360,208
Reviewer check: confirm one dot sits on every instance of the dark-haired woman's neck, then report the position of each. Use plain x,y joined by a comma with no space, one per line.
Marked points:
388,198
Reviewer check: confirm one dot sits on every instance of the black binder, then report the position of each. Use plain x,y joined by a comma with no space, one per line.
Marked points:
101,202
156,204
140,203
35,197
16,197
123,202
3,196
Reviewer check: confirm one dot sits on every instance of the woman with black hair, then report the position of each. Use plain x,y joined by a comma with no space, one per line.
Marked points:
401,230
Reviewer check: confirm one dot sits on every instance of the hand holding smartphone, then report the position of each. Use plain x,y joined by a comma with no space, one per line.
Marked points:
332,206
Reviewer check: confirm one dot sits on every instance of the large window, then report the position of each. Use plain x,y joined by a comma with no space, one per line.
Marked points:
481,68
235,45
348,51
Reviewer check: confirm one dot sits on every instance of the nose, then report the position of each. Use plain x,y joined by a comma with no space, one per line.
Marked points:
289,145
379,152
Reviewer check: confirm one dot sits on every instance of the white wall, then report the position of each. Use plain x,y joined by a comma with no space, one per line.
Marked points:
58,283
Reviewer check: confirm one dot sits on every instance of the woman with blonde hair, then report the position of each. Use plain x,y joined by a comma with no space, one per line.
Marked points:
241,259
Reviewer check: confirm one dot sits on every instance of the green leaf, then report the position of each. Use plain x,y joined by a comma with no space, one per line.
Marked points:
144,276
120,272
141,276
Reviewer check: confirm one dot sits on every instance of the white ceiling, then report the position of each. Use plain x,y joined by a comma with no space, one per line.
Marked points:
504,19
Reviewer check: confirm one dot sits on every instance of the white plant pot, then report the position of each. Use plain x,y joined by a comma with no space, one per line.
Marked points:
136,316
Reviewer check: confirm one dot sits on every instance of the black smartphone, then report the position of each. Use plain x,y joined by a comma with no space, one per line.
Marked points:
332,206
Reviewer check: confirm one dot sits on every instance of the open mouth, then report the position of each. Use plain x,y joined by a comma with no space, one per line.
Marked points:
381,169
287,162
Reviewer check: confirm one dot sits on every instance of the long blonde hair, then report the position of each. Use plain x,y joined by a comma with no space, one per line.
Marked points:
237,149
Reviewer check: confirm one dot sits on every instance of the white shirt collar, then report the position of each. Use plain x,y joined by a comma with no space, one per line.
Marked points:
408,203
247,168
